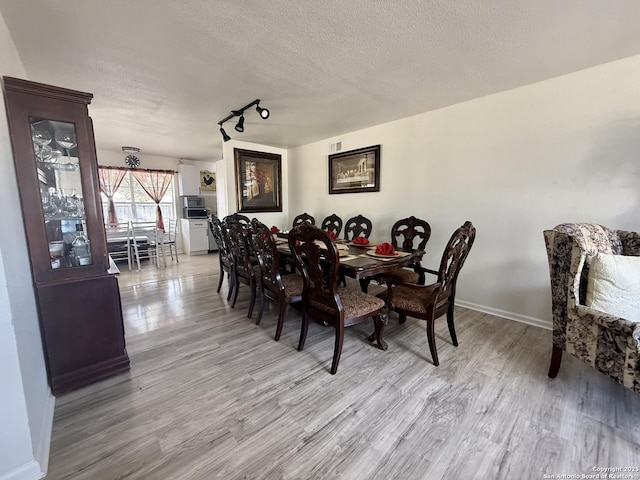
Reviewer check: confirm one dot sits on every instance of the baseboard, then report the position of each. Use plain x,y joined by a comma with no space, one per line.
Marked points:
536,322
43,447
28,471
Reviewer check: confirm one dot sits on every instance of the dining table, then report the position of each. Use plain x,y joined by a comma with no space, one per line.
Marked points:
359,261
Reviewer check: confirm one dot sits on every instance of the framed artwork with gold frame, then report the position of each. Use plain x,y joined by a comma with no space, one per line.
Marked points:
207,181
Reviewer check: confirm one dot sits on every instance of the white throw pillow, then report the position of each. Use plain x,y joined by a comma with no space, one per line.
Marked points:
613,285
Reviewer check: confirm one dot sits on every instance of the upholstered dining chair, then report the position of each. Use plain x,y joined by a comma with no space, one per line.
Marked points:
604,341
429,302
281,288
409,234
332,223
357,226
245,270
225,256
317,258
303,217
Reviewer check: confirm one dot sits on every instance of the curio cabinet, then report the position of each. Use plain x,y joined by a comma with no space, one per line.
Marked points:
78,299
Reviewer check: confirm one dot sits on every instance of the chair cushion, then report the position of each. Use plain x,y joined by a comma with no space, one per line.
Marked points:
410,299
355,303
613,286
292,285
402,275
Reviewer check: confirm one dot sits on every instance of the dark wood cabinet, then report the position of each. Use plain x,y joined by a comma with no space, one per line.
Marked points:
56,167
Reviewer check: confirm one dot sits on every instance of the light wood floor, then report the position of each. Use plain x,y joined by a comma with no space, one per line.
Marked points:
210,395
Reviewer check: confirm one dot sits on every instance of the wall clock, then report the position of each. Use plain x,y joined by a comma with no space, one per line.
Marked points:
132,161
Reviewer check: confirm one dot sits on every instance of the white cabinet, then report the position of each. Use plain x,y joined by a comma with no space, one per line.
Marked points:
188,179
194,235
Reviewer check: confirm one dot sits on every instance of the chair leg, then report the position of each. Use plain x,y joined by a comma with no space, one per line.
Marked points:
431,337
231,279
281,312
452,328
261,311
337,349
304,326
556,358
253,298
402,318
236,286
222,272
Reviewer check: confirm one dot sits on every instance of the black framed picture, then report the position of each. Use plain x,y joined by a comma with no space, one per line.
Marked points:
258,181
355,171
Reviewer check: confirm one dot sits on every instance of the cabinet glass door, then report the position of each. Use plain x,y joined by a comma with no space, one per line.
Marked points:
63,207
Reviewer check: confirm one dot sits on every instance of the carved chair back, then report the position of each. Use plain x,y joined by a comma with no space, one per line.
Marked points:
332,223
240,245
219,232
410,233
357,226
268,257
317,258
238,218
453,258
303,217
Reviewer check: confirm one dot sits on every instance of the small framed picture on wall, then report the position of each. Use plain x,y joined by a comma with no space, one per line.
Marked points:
207,181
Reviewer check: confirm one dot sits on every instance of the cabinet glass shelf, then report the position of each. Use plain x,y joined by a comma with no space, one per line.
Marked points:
61,193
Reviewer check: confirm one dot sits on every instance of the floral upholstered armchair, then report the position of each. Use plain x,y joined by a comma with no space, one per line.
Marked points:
606,342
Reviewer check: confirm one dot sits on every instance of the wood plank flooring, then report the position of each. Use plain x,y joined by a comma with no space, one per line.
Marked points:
210,395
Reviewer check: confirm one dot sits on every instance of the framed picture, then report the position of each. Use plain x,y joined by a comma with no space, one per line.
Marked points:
258,181
355,171
207,181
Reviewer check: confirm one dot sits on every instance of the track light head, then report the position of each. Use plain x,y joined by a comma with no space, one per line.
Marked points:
225,137
264,113
240,125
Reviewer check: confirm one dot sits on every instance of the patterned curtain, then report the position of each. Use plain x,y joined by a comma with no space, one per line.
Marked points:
155,184
110,180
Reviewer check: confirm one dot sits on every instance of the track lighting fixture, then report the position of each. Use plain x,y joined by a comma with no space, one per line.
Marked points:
263,112
240,125
225,137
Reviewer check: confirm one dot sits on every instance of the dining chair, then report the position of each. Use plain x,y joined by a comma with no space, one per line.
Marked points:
168,240
409,233
244,269
281,288
357,226
303,217
332,223
225,256
429,302
317,258
143,240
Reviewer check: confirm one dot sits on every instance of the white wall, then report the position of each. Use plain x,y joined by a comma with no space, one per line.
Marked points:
514,163
26,403
227,171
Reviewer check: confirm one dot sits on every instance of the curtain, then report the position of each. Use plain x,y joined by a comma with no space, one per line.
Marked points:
110,180
155,184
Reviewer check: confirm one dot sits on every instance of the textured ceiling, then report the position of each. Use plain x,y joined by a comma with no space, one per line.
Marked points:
164,72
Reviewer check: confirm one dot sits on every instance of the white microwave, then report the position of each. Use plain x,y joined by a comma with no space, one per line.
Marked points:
193,202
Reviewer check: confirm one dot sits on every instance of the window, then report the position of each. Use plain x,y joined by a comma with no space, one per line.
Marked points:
133,203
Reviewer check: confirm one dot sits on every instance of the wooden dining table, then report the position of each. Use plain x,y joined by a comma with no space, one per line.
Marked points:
361,263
